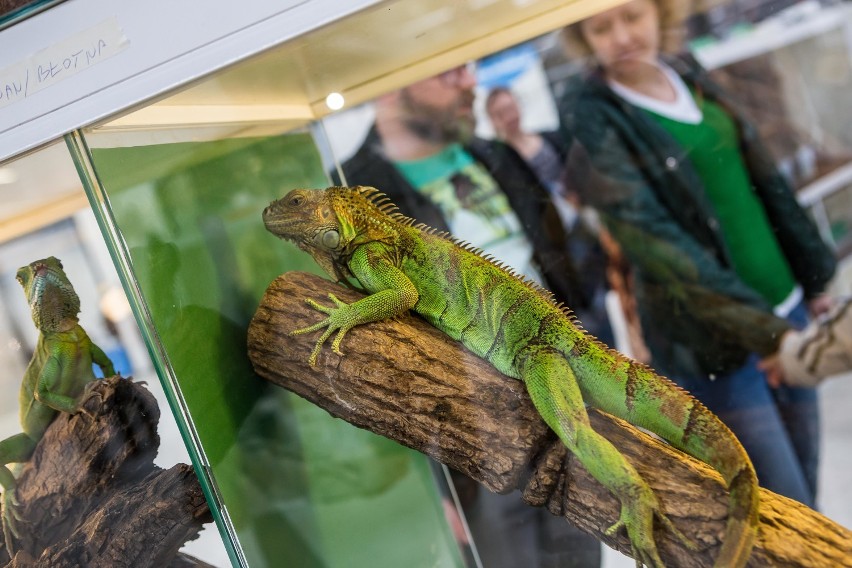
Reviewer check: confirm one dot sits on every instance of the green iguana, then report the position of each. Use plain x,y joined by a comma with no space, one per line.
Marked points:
356,233
56,377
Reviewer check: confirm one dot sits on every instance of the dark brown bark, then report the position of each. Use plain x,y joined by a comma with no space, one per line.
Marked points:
9,6
408,381
92,496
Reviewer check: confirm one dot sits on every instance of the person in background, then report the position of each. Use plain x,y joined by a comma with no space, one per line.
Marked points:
725,260
422,154
545,153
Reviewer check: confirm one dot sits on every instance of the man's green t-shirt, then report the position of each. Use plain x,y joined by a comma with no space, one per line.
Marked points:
474,207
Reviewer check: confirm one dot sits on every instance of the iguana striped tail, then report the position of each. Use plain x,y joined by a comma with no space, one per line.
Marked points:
659,405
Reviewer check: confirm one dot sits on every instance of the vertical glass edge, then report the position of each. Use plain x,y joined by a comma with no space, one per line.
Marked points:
98,201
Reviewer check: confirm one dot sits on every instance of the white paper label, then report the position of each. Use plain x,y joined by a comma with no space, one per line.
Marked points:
60,61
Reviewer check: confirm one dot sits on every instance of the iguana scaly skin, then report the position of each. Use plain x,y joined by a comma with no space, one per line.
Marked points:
56,377
355,233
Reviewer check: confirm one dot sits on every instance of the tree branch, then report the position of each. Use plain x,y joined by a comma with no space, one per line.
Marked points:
409,382
92,496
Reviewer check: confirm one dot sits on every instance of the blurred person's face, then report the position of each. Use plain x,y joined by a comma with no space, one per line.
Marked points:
505,115
626,38
440,109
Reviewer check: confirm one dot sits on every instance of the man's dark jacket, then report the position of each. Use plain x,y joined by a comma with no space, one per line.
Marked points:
699,317
527,197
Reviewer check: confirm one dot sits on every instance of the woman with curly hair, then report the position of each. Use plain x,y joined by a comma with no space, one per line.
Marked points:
725,260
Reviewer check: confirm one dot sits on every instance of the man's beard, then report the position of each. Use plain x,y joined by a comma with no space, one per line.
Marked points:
438,125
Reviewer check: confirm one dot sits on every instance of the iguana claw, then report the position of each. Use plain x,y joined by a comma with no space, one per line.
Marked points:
10,519
637,518
644,552
84,405
337,320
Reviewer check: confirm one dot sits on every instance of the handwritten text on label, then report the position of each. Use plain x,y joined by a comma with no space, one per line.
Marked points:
60,61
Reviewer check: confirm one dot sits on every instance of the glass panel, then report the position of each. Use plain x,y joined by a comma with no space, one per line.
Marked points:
555,164
296,486
45,213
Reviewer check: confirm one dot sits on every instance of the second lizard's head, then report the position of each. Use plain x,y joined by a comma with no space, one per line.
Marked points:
53,302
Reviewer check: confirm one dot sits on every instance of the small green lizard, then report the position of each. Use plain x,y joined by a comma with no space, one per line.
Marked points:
56,377
356,234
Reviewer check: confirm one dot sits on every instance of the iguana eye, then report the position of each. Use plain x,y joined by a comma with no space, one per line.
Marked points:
296,199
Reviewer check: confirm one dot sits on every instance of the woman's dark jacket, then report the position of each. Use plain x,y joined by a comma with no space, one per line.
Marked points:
698,316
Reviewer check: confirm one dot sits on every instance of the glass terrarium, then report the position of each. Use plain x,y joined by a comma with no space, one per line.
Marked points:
179,184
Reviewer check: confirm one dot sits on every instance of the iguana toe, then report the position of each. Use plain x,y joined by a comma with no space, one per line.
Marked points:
85,404
669,525
11,517
310,328
7,540
312,360
319,307
335,345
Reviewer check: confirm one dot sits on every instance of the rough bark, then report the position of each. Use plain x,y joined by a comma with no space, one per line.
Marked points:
92,496
7,6
407,381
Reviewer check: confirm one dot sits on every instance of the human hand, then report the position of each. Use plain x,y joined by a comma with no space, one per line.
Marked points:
771,367
771,364
820,305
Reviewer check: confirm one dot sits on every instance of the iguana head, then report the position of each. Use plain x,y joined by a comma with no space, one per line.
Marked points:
53,302
330,223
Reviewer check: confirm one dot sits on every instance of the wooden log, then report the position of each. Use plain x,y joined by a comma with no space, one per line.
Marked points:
92,496
407,381
7,6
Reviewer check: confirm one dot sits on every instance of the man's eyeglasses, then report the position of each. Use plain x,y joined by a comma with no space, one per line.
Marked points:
457,75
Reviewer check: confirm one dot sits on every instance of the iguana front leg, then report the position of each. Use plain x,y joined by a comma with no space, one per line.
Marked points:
49,389
89,393
553,389
393,294
100,358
